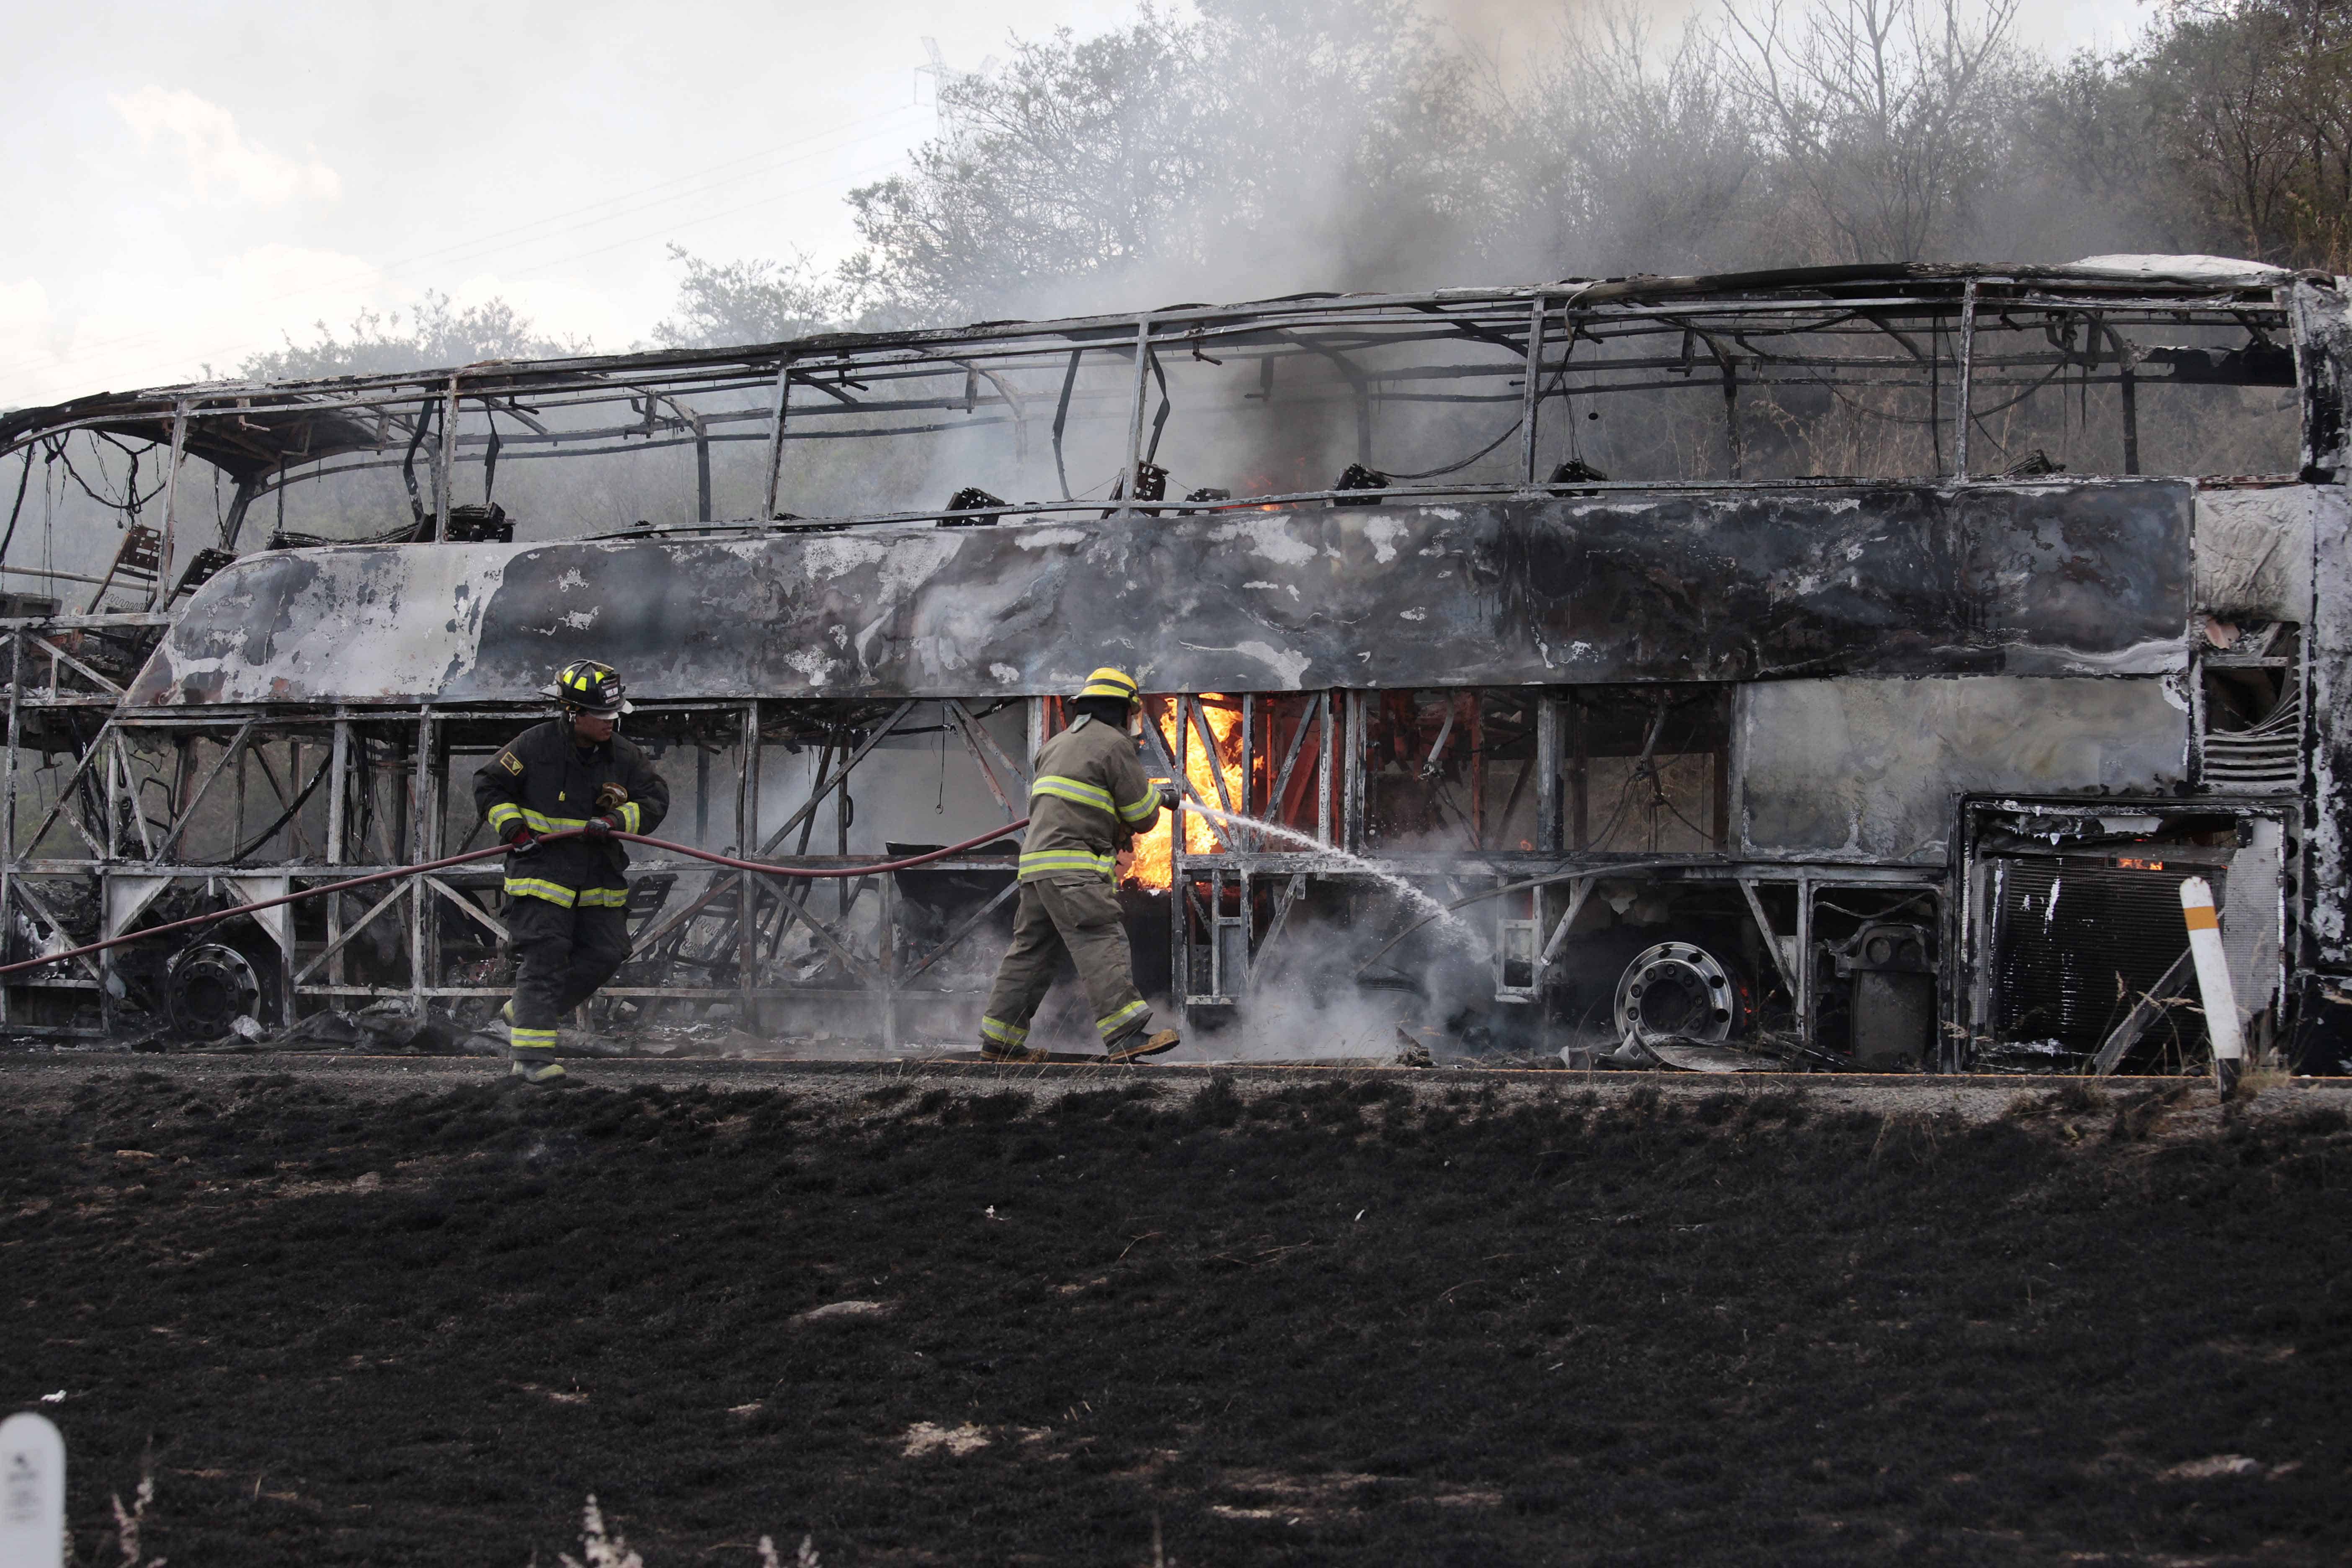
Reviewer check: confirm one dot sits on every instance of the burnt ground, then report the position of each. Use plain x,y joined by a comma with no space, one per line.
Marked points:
1277,1319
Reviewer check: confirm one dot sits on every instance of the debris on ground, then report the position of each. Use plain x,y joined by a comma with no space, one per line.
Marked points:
1694,1056
383,1029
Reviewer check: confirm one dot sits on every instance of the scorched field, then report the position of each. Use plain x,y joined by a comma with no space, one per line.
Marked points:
1166,1317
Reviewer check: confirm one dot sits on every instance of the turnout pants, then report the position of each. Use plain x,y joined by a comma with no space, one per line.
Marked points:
1078,913
561,957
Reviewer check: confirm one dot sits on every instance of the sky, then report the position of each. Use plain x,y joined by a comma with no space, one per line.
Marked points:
191,184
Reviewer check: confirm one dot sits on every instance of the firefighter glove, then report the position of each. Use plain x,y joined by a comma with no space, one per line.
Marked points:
600,828
612,795
520,839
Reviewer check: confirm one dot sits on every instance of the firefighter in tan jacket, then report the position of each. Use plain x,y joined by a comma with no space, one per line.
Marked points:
1089,800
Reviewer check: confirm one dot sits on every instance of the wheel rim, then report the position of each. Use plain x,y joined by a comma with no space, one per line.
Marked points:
1676,991
212,986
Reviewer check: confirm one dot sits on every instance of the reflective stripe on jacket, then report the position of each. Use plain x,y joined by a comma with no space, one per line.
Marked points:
1089,798
549,784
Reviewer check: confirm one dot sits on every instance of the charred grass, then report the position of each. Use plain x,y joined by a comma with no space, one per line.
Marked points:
1344,1322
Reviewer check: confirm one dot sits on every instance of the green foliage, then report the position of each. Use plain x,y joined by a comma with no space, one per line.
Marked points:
1258,141
435,335
721,304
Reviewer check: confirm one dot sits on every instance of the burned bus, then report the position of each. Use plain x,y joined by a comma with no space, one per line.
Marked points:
1845,664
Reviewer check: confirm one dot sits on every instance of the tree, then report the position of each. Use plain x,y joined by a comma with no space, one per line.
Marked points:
2091,174
434,337
1318,142
1258,147
1886,116
1612,163
1076,160
2255,103
757,301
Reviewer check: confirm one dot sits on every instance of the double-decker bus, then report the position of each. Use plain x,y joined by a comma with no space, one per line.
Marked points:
1841,664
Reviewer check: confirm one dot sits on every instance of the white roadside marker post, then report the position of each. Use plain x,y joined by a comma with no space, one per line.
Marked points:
2213,981
32,1493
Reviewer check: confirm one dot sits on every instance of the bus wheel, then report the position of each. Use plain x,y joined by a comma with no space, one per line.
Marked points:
211,986
1681,990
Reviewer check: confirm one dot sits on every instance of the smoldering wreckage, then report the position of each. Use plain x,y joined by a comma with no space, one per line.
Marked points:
1839,669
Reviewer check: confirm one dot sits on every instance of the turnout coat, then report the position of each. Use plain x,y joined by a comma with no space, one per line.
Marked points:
1090,799
547,781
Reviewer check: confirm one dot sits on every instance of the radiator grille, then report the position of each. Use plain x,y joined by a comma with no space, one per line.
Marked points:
2071,972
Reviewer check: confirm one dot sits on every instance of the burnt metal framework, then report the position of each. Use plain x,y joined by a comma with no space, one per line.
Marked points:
349,791
1966,343
1932,355
1238,897
302,797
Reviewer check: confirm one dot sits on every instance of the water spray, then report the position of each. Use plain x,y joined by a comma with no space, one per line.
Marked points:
1458,929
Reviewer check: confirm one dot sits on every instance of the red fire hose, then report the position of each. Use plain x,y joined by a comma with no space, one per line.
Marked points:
811,872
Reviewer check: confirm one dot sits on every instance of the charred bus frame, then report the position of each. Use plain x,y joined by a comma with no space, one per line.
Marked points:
1433,679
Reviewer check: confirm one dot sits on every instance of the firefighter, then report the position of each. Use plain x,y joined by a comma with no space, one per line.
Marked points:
1089,800
567,902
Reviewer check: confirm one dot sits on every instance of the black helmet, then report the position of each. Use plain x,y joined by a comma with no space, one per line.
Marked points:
585,686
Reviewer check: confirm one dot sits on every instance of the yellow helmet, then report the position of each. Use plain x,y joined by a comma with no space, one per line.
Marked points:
587,687
1109,682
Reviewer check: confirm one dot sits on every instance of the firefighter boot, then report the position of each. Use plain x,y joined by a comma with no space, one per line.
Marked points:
1138,1045
995,1048
539,1072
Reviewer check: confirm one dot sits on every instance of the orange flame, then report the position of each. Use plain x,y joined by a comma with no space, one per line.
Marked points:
1154,867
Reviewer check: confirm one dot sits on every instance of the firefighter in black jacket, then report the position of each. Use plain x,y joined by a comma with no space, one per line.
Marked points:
567,904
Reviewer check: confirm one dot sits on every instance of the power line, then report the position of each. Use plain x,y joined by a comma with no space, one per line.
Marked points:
666,184
731,212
